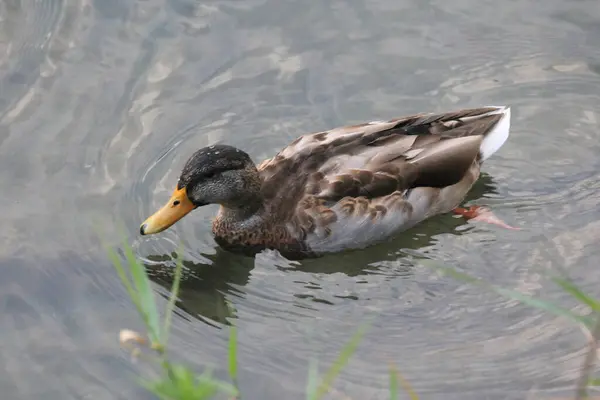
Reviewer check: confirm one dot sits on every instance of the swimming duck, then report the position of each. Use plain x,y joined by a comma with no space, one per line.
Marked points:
345,188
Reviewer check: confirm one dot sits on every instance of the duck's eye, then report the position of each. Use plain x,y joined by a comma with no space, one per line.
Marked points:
176,203
209,175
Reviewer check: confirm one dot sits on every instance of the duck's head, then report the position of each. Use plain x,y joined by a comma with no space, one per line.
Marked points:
218,174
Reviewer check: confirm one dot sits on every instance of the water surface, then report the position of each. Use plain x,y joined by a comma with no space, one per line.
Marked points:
102,101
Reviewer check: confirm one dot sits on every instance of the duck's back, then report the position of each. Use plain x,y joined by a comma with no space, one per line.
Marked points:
355,185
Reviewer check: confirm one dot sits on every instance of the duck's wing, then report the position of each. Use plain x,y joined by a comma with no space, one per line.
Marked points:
377,158
365,164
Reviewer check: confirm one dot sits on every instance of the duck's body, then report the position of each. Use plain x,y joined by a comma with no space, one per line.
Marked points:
346,188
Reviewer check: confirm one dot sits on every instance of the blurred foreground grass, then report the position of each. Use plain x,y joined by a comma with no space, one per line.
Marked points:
178,382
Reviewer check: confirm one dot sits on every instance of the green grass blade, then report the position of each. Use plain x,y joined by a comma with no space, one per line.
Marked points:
594,382
339,363
405,385
225,387
233,353
182,384
172,299
232,347
544,305
512,294
146,296
574,291
116,261
452,272
393,384
311,384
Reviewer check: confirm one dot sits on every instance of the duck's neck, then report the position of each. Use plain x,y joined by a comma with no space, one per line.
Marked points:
244,212
240,217
251,228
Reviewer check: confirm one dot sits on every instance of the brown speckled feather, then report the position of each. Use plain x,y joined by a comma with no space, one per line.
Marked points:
364,182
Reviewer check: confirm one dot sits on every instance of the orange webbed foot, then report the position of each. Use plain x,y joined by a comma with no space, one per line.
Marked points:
484,214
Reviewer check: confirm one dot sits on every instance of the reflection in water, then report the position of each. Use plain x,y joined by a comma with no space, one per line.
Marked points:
204,287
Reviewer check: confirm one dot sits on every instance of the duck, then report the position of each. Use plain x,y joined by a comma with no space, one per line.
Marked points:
341,189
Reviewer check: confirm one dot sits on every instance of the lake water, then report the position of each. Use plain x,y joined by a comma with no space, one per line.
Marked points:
102,101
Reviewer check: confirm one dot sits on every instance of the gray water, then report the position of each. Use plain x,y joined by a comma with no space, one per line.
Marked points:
102,101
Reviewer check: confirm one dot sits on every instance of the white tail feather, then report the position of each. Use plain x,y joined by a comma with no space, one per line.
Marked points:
498,135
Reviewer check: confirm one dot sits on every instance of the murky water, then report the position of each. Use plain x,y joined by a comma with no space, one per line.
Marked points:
102,101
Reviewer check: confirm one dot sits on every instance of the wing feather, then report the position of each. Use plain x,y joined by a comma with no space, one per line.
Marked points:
371,161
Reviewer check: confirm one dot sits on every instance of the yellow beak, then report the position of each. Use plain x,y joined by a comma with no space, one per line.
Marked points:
176,208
